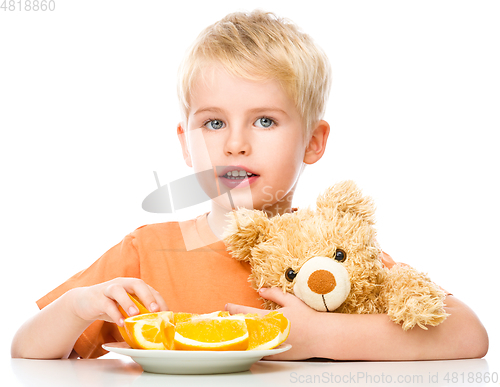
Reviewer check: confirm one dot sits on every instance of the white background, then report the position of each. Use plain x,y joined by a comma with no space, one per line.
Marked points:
88,111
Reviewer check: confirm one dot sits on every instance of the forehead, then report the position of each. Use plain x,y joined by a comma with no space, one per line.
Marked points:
214,86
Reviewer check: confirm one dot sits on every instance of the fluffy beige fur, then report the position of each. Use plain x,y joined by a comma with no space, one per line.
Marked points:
343,219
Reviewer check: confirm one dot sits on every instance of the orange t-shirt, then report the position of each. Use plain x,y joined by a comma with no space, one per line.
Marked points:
198,281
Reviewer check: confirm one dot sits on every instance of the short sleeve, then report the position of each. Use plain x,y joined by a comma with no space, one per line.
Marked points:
387,260
121,260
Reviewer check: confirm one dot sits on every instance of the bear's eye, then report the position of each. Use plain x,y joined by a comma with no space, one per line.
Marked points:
340,255
290,274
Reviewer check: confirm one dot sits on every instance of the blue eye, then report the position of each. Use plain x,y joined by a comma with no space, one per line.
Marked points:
264,122
214,124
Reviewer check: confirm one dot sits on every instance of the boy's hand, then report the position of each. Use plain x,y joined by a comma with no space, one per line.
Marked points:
99,302
293,309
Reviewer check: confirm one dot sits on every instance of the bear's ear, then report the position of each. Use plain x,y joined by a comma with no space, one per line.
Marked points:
246,228
345,198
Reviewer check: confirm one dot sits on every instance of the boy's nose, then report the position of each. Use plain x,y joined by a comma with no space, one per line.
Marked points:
237,144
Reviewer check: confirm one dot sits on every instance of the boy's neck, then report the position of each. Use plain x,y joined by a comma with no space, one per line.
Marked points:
217,218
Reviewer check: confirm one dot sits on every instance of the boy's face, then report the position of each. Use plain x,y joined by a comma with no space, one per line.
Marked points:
246,126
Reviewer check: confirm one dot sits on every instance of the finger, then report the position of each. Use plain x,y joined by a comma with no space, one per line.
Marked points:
162,305
145,295
110,310
276,295
235,308
119,294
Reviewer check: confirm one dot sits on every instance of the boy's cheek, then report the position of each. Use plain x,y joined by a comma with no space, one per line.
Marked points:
198,150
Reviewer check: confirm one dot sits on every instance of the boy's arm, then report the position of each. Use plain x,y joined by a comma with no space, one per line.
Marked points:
373,336
376,337
52,332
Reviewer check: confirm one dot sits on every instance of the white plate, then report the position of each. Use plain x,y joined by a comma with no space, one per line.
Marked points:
193,362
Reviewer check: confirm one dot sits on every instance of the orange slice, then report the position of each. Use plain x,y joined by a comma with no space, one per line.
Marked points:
216,331
182,316
142,310
212,334
125,336
262,334
150,330
267,332
280,320
168,330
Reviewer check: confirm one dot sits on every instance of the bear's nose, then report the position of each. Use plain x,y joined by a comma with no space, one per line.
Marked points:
321,282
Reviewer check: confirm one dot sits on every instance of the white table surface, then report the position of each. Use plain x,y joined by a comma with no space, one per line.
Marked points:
122,371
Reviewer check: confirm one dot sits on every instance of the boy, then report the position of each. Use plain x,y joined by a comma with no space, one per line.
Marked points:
253,91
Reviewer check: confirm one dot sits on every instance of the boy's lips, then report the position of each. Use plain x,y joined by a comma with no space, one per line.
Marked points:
238,180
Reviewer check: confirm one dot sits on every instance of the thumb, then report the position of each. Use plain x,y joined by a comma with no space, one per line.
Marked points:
278,296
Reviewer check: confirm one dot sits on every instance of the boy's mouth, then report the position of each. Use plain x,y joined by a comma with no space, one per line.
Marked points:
237,176
237,173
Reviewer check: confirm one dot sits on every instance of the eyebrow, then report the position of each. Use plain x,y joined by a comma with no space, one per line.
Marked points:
268,109
208,109
255,110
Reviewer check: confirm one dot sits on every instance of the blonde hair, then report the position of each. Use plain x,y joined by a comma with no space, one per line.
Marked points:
261,46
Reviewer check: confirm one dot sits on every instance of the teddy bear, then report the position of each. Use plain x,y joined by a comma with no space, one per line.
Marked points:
330,259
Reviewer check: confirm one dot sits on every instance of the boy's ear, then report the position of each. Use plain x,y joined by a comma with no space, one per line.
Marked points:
317,142
246,229
181,134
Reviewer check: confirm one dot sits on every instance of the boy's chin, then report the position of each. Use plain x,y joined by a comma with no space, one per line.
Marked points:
233,200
